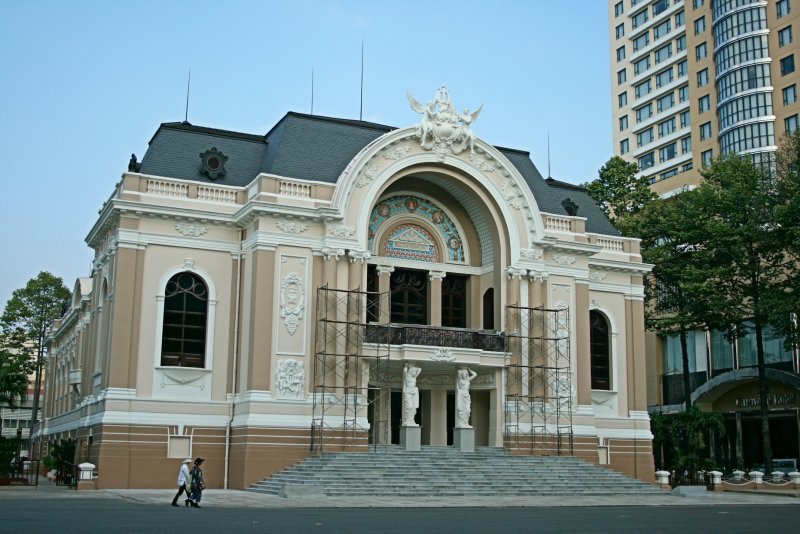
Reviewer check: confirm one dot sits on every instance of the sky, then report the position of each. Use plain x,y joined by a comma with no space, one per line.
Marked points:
86,83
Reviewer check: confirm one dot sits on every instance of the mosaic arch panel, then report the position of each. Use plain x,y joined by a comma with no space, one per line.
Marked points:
411,242
399,205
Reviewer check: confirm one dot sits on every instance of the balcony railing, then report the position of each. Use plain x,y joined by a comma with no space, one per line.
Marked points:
436,336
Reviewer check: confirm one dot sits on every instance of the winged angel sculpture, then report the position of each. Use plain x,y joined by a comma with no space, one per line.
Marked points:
442,129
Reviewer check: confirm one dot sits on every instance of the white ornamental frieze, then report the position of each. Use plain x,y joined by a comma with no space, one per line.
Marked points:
291,227
443,129
290,379
292,301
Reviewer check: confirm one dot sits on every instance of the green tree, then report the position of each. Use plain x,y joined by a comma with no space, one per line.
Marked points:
28,318
745,258
620,193
15,368
787,219
692,428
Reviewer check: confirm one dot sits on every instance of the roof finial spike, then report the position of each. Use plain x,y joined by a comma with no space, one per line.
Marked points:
312,90
188,86
361,108
548,156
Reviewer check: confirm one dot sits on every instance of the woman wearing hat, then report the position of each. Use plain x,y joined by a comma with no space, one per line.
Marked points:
197,484
183,480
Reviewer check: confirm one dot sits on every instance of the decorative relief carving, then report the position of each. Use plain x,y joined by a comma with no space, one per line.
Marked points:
513,195
443,355
484,164
595,304
191,230
435,380
359,256
484,379
292,301
332,253
292,227
515,272
565,260
531,254
367,175
442,129
291,379
597,276
341,230
188,264
398,151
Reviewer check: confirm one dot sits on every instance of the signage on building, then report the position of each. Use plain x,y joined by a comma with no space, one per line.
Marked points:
773,399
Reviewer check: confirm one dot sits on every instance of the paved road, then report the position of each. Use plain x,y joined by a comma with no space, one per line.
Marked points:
32,515
48,508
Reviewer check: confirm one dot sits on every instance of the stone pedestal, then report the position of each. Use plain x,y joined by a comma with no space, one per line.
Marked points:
85,478
410,437
464,439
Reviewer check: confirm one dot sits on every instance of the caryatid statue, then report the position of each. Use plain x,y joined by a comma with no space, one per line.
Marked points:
464,376
410,393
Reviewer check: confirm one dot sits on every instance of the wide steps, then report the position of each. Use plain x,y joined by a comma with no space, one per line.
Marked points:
445,471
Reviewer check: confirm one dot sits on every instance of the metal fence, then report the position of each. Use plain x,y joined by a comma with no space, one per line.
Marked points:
67,475
24,473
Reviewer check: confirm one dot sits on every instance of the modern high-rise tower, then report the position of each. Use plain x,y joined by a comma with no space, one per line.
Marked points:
693,79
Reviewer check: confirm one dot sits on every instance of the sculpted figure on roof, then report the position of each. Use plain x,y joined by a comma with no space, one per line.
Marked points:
442,129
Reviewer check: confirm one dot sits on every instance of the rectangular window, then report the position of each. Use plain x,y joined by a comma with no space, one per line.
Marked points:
639,18
623,123
785,36
662,29
667,127
620,31
773,345
685,119
698,3
705,131
680,43
643,89
618,9
680,19
790,95
664,77
783,8
620,53
702,78
686,145
644,137
644,113
791,124
701,51
707,157
622,99
700,25
647,161
704,102
624,147
660,6
787,65
683,67
663,53
665,102
642,65
721,353
683,93
641,41
667,153
621,76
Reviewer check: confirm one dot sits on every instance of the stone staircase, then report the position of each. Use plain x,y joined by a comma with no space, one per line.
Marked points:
444,472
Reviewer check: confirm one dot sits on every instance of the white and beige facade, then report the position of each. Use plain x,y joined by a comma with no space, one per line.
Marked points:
198,331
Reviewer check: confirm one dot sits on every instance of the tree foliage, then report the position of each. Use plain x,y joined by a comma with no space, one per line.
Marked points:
16,366
620,193
27,320
686,434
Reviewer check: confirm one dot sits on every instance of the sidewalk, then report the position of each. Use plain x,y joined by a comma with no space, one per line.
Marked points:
216,498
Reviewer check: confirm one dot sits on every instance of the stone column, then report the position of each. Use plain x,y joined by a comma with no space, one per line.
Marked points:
582,348
438,411
384,286
126,313
435,297
358,260
637,378
514,275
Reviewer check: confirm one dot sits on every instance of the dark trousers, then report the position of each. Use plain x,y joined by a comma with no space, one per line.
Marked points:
180,491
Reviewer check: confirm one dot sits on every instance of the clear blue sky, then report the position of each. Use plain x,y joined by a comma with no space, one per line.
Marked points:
86,83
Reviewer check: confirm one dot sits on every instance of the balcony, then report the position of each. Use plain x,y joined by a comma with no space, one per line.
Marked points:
436,336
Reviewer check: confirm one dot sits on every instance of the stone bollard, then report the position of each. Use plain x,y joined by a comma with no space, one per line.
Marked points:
794,476
716,480
738,475
777,476
85,479
757,477
662,478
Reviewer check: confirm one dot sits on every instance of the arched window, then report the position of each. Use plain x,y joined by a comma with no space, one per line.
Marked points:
600,347
183,340
488,309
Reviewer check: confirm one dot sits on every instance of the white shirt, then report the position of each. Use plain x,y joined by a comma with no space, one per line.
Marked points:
183,475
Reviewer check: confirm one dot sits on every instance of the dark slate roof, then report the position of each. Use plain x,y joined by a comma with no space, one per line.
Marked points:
311,147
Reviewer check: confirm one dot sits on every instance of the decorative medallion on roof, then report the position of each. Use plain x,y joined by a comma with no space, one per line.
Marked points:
213,163
443,129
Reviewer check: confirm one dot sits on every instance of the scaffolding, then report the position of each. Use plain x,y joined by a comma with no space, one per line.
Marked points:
539,391
351,391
